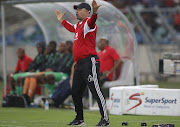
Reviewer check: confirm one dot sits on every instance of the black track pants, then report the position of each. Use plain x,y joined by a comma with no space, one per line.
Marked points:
86,72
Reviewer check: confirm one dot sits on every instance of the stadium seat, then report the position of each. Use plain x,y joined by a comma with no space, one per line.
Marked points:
126,76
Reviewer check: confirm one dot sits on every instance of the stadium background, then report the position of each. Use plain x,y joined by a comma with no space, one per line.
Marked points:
156,24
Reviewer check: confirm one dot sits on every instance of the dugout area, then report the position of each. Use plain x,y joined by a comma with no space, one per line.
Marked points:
111,24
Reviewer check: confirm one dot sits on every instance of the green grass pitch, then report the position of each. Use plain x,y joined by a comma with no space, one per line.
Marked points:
30,117
38,117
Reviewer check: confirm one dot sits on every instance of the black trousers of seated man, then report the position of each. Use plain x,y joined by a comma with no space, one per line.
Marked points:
86,72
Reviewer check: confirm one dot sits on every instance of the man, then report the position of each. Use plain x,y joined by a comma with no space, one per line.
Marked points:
62,91
46,78
62,49
21,68
64,63
109,59
51,57
23,61
39,60
87,62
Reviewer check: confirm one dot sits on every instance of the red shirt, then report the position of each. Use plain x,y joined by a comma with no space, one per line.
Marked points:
177,19
107,58
22,64
84,38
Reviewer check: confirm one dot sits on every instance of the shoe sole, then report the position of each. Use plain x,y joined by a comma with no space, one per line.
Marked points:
104,126
82,124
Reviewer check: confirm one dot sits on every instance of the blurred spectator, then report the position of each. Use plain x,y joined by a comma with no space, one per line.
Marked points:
122,4
64,88
22,66
39,60
23,61
139,36
63,64
109,60
150,20
138,7
62,91
51,57
62,48
169,3
161,33
48,79
177,21
33,67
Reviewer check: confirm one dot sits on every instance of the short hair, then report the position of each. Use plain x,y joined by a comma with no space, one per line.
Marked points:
69,42
21,50
42,44
61,43
105,39
53,43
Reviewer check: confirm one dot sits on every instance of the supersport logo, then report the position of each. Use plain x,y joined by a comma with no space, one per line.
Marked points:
135,98
112,99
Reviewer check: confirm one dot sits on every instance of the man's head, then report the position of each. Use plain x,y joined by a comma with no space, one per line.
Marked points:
52,46
102,43
83,11
69,45
20,53
41,47
62,47
46,51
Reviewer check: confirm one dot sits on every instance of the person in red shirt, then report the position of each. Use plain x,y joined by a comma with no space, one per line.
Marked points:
23,61
22,66
86,70
109,60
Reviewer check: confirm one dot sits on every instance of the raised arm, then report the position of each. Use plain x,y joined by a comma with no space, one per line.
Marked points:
66,24
92,20
60,16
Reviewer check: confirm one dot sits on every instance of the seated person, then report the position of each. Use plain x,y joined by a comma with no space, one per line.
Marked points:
22,66
51,57
62,66
37,65
109,60
46,78
64,63
62,91
39,60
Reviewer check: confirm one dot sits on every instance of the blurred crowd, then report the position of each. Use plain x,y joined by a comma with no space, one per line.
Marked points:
121,4
159,31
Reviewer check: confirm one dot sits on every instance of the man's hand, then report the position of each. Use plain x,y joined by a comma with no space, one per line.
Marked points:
95,7
60,16
49,70
106,73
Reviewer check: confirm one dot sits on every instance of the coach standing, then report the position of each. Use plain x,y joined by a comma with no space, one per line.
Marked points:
87,62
